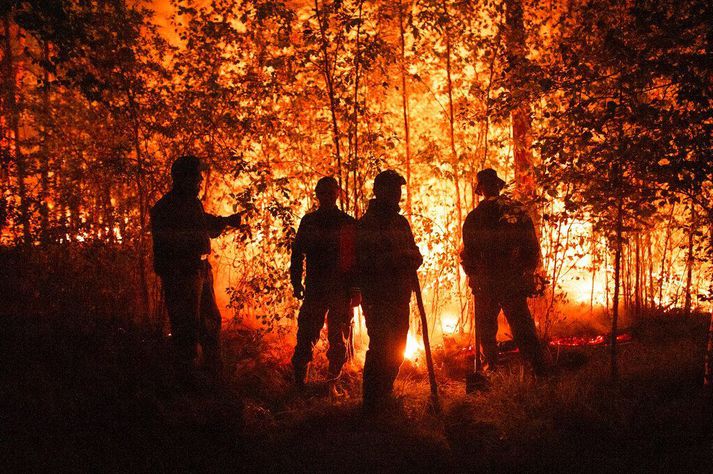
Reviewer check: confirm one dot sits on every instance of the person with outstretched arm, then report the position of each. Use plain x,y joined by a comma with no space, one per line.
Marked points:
181,231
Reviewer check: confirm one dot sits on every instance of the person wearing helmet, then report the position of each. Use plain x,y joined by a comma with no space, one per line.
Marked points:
325,238
387,258
181,231
500,255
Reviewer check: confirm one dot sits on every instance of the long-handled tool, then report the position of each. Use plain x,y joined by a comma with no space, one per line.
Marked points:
476,380
426,345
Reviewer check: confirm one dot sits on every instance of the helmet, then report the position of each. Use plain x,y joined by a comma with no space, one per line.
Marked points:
388,178
187,165
326,183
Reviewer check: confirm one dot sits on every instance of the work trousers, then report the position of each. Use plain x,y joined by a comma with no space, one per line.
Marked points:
335,305
387,324
194,316
514,306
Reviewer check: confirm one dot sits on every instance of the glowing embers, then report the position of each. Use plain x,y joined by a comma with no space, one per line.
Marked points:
579,341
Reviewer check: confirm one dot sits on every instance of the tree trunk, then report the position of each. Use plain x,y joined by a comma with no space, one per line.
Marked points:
486,126
664,272
355,159
591,291
328,79
708,370
515,40
451,125
708,364
650,288
629,285
689,264
142,204
615,298
606,278
14,118
637,277
405,110
454,161
44,152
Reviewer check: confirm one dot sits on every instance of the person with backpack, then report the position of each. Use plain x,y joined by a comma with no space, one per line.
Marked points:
500,254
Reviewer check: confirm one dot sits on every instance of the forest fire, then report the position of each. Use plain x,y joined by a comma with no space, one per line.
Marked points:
579,341
414,348
432,92
202,202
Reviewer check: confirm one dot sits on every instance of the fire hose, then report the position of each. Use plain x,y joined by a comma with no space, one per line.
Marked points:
426,345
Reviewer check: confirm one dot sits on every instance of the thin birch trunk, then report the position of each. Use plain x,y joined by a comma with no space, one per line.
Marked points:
689,264
615,301
14,118
663,279
329,81
405,110
355,160
521,123
637,277
454,159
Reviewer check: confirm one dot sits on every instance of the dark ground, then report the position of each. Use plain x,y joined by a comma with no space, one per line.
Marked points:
101,398
82,390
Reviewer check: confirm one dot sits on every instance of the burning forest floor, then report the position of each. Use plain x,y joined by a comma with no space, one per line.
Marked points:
97,397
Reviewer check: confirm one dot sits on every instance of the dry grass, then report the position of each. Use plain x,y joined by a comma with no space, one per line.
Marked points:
84,393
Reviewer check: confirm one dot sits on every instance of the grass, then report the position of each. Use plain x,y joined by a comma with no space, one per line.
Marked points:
100,397
85,386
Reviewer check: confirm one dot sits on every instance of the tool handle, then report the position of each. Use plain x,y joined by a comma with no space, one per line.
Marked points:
426,342
477,361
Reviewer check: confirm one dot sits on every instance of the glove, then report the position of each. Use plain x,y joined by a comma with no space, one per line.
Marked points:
534,284
234,220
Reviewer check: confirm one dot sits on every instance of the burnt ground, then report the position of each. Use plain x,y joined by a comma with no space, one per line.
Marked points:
96,396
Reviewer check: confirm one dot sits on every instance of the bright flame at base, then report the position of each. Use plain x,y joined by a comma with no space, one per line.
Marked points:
449,323
413,347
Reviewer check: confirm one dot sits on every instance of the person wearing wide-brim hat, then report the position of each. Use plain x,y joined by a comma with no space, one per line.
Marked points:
387,259
489,179
181,231
500,255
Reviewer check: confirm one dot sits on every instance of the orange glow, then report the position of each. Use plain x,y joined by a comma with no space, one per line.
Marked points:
449,323
414,348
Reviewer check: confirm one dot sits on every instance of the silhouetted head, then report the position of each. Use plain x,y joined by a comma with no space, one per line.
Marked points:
489,184
387,187
327,191
186,173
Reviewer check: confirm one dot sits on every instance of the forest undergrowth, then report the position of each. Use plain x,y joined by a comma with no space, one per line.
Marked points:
102,397
87,386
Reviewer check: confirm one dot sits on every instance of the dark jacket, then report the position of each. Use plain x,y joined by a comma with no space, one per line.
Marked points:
181,233
387,256
499,242
326,238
